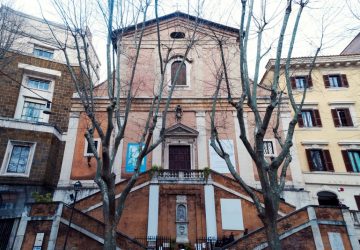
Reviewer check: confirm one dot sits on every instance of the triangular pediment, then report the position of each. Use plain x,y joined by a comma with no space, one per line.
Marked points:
180,21
180,130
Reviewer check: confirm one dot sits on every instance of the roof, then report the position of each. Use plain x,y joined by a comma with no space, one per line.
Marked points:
342,58
24,15
175,15
353,47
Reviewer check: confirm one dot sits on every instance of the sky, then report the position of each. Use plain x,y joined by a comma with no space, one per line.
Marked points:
330,19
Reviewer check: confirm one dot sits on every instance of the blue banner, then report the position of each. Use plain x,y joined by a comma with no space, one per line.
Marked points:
133,150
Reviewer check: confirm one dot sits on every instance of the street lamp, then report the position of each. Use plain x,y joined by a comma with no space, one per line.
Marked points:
77,187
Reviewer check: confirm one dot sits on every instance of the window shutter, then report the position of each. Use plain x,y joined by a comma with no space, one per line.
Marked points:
309,81
344,81
357,200
317,118
328,161
347,161
308,156
348,118
300,120
293,82
335,118
326,81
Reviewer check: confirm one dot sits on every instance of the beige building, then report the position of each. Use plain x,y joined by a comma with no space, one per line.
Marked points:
327,137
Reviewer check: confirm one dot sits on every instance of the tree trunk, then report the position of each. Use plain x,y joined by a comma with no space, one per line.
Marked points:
272,233
110,236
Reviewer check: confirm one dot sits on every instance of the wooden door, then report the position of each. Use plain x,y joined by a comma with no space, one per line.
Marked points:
179,157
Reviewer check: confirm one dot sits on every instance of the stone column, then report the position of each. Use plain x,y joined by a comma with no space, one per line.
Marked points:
118,155
351,229
156,153
244,158
201,140
66,166
55,227
153,215
20,234
315,228
210,215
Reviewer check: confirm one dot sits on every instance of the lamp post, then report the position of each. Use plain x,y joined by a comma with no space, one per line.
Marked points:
77,187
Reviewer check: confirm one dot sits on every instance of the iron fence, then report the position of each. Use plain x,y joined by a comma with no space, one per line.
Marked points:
205,243
157,242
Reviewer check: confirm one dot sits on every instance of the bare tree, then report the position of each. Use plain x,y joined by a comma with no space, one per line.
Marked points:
272,172
121,91
10,30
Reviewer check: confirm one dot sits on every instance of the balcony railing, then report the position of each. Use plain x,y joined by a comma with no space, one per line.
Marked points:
182,176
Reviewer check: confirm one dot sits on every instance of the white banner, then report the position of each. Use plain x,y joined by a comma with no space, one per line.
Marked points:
217,163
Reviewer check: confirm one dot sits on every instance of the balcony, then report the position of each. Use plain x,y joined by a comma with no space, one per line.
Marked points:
182,176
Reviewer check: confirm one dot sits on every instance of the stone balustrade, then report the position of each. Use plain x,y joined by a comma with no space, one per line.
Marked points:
182,176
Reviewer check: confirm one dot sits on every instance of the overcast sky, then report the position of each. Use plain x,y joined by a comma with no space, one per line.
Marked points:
332,18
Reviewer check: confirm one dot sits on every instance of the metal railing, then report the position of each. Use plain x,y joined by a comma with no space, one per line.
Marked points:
205,243
157,242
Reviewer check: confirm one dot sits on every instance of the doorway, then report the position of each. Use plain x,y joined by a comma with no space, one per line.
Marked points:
327,199
179,157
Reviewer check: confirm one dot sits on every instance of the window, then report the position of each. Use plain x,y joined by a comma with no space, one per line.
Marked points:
32,111
177,35
181,79
87,151
43,52
319,160
327,199
18,158
269,148
351,160
357,200
342,117
335,81
300,82
309,118
38,83
178,64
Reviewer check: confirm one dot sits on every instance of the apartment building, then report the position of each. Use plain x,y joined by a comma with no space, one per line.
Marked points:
327,137
35,102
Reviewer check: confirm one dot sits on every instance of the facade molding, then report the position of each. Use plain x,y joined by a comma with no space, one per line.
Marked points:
45,71
331,178
36,127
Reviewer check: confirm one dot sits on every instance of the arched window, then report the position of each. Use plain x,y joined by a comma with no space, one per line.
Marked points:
327,199
181,79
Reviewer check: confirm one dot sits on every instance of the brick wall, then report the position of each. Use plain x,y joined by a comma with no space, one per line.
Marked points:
63,90
45,168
